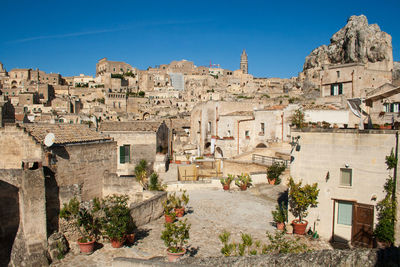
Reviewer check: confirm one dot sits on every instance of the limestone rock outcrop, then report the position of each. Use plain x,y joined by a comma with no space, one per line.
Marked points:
396,72
357,42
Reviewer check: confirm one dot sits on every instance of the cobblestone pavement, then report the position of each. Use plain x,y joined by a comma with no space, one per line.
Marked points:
210,212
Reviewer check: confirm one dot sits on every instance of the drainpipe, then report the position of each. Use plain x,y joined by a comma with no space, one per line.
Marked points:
238,123
394,185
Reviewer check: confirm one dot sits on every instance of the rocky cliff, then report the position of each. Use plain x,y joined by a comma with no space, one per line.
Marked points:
357,42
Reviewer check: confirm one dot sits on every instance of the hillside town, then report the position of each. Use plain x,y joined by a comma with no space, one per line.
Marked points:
241,154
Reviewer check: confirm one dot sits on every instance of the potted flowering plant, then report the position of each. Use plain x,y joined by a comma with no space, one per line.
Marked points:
300,199
280,215
175,236
226,182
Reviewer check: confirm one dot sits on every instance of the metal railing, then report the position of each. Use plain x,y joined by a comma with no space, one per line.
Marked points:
268,161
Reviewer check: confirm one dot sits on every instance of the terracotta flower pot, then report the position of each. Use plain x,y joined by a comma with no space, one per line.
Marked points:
243,187
280,226
299,228
168,218
172,257
117,243
271,181
226,187
86,247
130,239
179,212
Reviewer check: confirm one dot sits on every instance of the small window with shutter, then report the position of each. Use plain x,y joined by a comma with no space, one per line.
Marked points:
124,154
345,177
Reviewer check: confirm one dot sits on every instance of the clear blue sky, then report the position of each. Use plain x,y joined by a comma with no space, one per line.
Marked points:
69,37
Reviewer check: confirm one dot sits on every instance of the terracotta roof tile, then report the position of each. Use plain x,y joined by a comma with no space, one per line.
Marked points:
64,133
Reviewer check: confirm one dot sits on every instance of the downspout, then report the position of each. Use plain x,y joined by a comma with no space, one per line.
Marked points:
352,84
394,185
239,121
216,122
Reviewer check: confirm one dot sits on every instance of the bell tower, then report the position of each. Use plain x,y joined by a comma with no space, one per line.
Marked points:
244,65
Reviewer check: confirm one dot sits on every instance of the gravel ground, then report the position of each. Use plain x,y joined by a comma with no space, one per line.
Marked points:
209,213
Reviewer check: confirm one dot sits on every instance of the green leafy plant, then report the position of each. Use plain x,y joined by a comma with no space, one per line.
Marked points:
141,173
275,170
384,230
169,209
176,235
178,202
154,184
247,247
280,214
279,244
87,221
297,118
301,198
228,180
117,220
243,180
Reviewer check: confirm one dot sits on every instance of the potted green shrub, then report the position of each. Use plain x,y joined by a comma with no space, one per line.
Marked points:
175,236
274,171
300,199
226,182
87,222
117,219
179,203
169,212
280,215
243,181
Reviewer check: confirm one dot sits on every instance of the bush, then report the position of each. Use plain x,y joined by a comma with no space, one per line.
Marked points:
154,184
176,235
280,244
280,214
297,118
275,170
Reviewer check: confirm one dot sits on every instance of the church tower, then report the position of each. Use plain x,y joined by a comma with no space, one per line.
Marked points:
244,65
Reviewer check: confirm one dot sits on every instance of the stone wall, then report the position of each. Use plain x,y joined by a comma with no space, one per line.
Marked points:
23,234
85,164
15,146
148,210
340,258
113,184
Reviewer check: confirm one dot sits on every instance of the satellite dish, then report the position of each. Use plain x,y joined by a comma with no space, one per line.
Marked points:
49,139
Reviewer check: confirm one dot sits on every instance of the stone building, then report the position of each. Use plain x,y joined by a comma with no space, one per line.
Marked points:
244,64
349,167
136,140
104,66
383,104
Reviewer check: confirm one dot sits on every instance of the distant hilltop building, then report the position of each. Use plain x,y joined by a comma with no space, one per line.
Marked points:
244,65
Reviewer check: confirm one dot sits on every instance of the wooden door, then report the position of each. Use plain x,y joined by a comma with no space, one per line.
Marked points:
363,222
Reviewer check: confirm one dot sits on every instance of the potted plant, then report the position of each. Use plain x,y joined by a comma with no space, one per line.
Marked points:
175,236
130,234
169,212
226,182
86,221
274,171
179,203
117,219
243,181
280,215
300,199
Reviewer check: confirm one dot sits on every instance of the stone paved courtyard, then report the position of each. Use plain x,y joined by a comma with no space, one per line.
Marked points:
210,212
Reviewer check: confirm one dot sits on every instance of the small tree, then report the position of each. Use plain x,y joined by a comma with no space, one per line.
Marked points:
386,208
175,235
297,118
275,170
301,198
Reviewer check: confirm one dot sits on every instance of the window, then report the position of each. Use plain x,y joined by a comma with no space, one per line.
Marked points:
337,89
346,177
262,128
391,107
124,154
338,74
247,134
209,127
345,213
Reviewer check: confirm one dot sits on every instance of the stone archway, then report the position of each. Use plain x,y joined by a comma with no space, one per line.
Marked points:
261,145
9,219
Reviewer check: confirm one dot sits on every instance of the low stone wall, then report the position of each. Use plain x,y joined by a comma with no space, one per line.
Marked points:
113,184
149,209
339,258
